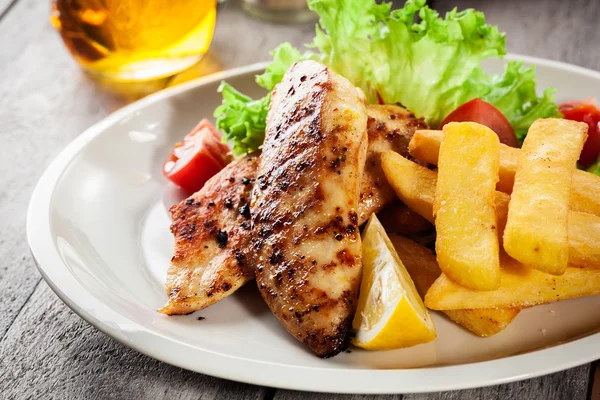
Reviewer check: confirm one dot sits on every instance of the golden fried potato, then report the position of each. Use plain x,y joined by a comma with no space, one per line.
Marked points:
484,322
464,206
407,177
422,266
414,186
585,188
425,146
585,192
536,228
520,286
419,261
584,240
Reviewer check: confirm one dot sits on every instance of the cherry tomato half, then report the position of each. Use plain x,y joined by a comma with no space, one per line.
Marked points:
197,158
486,114
585,111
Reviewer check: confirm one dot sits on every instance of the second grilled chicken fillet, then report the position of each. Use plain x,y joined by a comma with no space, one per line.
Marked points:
304,206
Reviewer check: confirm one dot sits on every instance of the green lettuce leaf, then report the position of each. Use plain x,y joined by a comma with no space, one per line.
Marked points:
514,94
430,67
283,57
242,119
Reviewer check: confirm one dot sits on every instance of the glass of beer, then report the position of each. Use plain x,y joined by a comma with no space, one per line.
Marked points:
135,40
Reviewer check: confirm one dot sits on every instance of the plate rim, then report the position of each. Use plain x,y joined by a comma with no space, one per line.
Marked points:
329,380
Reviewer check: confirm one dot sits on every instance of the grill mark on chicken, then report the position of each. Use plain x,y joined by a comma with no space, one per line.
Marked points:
304,218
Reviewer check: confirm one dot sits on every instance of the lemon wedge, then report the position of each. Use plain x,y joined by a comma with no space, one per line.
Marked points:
390,312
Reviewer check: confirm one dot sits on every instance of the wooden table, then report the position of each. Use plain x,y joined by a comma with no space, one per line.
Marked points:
46,351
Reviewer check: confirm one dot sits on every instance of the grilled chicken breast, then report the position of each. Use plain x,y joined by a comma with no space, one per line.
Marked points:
389,127
199,269
305,203
212,238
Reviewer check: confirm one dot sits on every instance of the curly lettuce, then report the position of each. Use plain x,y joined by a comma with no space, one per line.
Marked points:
430,67
514,93
283,57
242,119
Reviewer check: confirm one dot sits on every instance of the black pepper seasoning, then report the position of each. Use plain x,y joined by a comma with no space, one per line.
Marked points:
222,238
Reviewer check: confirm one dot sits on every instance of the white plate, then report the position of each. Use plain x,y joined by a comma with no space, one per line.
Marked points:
98,228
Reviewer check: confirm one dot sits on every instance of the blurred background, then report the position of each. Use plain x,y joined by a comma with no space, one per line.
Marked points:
132,48
135,47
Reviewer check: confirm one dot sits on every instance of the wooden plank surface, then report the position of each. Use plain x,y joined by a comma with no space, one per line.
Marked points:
568,385
5,6
46,351
44,103
55,355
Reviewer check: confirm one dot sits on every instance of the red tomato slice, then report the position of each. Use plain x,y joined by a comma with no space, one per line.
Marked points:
585,111
486,114
574,103
197,158
205,124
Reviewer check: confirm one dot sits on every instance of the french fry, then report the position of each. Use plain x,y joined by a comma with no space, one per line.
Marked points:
536,228
425,146
584,240
585,188
585,192
419,261
520,286
415,186
485,322
423,268
464,206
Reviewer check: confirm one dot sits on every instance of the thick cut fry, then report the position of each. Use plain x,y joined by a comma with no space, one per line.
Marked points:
536,228
415,186
585,188
520,286
425,146
419,261
424,270
464,206
584,240
485,322
585,192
